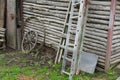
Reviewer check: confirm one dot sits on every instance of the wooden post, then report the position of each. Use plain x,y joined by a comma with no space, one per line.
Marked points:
11,23
110,34
2,12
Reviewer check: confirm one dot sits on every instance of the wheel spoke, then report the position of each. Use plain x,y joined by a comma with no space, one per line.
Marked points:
29,40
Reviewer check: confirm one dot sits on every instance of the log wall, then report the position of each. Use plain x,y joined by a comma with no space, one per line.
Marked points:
96,32
115,57
53,12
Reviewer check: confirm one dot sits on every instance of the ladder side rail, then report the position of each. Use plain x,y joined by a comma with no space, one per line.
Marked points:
82,36
77,37
62,41
67,38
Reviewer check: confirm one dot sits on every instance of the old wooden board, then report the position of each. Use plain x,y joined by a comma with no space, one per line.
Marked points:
2,10
11,23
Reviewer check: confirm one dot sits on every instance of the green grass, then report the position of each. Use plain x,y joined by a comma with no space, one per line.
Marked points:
51,72
11,73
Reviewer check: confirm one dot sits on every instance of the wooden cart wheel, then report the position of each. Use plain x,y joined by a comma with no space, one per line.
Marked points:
29,41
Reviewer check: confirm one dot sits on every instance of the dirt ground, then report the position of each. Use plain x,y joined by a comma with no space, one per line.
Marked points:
42,57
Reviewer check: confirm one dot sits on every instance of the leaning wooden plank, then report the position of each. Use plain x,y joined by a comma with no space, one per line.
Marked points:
2,13
11,23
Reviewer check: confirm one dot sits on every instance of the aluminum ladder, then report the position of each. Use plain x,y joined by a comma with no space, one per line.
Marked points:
75,45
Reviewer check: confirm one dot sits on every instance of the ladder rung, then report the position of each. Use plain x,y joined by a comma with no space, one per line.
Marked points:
77,3
69,49
2,40
71,45
71,24
68,59
74,17
72,31
2,35
66,72
64,36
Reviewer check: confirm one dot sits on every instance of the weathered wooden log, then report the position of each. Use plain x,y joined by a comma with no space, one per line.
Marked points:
95,37
102,35
44,9
115,55
115,41
99,7
94,47
96,30
46,6
92,20
94,51
98,16
43,16
107,13
105,3
46,2
97,26
95,41
116,61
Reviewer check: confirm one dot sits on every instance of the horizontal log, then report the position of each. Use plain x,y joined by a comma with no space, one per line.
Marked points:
97,26
115,41
102,35
46,6
46,2
96,30
60,18
95,37
41,10
104,17
116,61
95,41
95,48
56,25
99,7
107,13
103,3
99,21
37,24
94,51
114,56
49,20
